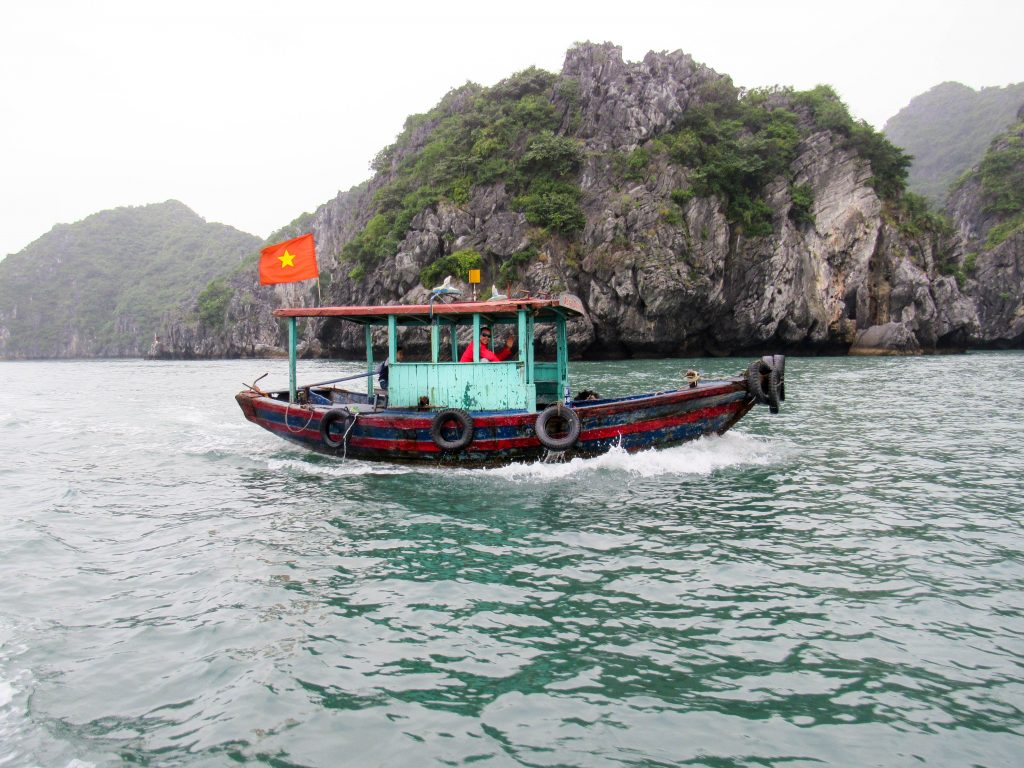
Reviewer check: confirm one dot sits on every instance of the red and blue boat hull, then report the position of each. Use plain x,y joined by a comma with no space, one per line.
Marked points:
634,423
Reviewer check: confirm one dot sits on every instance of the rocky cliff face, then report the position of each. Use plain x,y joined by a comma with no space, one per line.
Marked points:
704,288
661,268
987,209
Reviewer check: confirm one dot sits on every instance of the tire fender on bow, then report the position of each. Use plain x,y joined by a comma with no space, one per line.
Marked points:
766,381
755,384
774,390
779,363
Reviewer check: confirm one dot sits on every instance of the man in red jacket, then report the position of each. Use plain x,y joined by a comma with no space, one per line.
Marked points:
486,356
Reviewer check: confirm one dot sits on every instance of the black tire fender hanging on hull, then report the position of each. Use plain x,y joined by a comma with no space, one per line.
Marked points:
755,386
774,390
766,381
335,414
438,425
572,421
779,364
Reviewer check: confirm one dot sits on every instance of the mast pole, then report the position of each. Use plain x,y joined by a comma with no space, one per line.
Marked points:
291,360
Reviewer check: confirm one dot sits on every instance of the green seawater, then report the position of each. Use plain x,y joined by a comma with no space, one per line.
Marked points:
838,585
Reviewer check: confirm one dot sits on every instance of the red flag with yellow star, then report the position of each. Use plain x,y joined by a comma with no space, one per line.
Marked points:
289,262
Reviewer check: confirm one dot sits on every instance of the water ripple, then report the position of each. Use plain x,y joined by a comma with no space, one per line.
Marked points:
839,585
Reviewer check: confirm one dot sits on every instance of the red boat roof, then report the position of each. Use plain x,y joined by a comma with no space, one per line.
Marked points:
565,305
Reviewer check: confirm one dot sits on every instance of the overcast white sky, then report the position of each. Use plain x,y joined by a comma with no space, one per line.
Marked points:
253,111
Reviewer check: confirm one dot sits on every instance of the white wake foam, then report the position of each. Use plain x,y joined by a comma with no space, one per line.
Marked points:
700,457
347,468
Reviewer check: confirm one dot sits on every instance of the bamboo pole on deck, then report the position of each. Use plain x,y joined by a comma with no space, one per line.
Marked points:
291,360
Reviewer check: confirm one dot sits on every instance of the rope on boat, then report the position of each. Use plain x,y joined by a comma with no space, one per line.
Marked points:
288,426
344,438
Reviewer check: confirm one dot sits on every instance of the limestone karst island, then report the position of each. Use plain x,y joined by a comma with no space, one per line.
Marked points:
689,216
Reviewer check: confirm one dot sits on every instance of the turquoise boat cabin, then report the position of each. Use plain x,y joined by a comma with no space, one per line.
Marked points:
519,383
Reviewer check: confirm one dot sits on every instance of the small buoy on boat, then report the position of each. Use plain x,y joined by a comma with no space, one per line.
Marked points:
572,427
442,422
333,415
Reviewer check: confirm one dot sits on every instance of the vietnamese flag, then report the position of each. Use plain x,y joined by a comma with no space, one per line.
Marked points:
289,262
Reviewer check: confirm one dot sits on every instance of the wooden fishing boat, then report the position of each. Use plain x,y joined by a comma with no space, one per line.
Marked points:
480,412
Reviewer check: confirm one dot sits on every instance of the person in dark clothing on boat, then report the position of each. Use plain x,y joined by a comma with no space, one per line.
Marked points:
382,372
486,355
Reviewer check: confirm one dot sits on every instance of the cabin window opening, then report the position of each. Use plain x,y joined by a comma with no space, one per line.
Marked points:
545,343
414,343
492,333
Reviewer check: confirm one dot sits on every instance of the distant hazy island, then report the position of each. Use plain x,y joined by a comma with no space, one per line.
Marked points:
691,218
947,131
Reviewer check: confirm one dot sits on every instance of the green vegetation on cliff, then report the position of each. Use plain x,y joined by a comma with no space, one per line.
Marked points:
1002,174
457,264
1002,184
476,136
99,287
947,130
734,142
